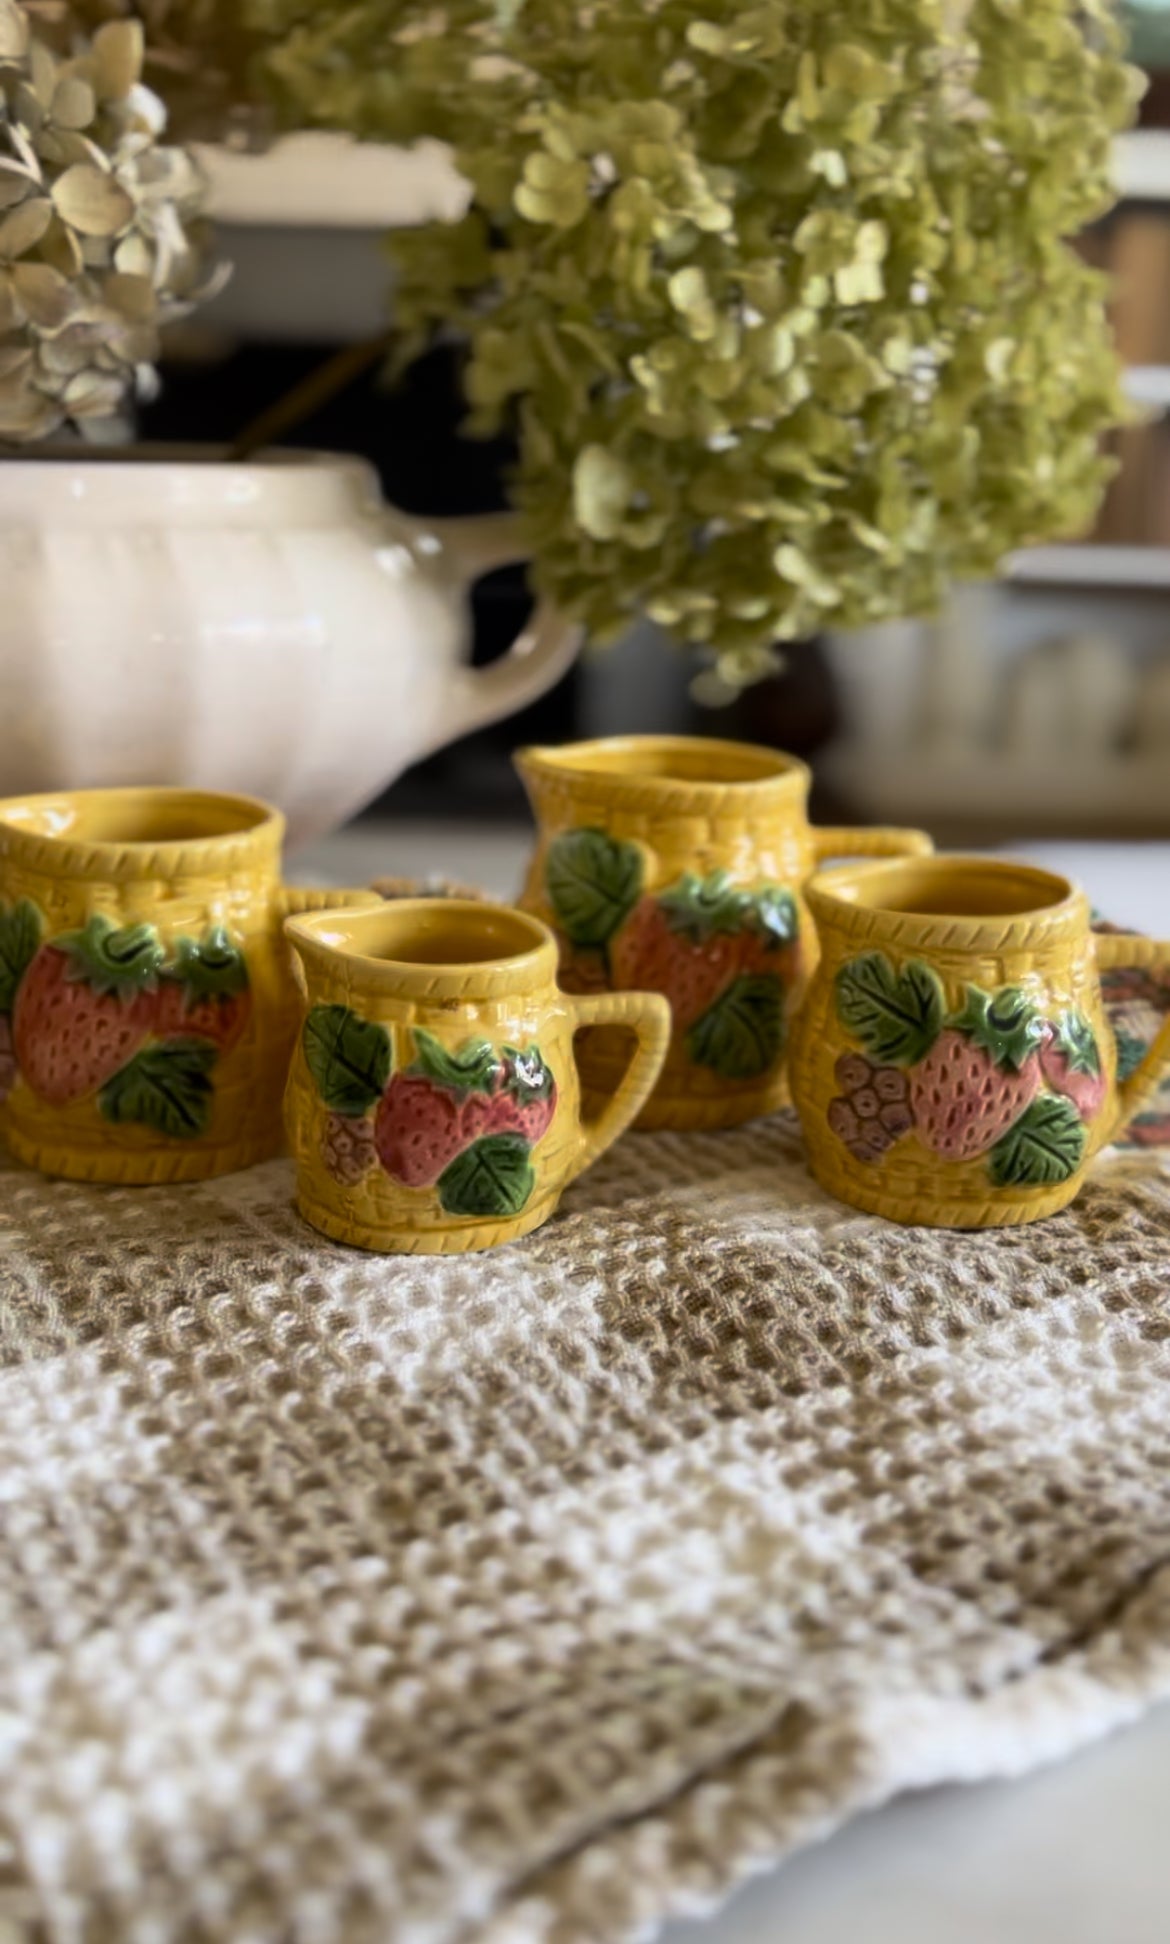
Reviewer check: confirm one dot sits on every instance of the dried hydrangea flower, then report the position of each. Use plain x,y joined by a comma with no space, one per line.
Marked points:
198,56
100,242
775,293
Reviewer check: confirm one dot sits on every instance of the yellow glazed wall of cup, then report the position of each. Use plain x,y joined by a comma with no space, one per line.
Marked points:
147,1003
676,864
433,1103
953,1065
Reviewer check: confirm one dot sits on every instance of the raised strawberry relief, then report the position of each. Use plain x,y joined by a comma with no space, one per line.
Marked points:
85,1007
103,1013
1071,1064
973,1078
725,956
461,1124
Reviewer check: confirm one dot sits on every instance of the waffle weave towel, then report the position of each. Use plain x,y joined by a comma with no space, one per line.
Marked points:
533,1597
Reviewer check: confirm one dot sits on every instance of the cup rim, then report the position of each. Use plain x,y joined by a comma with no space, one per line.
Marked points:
1045,905
334,939
66,853
781,777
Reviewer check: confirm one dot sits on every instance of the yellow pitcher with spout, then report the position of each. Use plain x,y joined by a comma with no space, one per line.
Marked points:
677,864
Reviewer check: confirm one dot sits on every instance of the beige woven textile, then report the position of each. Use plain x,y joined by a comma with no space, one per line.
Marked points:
537,1596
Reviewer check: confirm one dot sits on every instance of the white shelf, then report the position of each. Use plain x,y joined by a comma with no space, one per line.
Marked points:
1141,164
317,181
1091,566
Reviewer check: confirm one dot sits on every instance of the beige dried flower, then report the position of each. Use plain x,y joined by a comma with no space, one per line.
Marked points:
198,57
100,242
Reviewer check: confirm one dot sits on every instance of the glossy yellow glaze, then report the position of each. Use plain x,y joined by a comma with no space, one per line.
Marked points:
445,978
698,806
179,862
1000,928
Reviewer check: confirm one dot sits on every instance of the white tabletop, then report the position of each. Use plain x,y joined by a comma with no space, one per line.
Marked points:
1075,1855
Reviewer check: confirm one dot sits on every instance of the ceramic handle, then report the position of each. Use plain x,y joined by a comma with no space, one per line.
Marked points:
649,1018
539,657
887,842
1121,952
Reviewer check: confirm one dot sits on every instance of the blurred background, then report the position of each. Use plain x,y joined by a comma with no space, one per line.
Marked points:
1038,705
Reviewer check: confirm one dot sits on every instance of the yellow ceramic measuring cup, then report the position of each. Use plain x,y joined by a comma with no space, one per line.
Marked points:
953,1064
147,1004
433,1104
677,864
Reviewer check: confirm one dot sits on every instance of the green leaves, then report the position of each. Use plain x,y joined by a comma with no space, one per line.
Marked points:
348,1057
211,968
1004,1024
1076,1039
593,883
166,1088
705,238
1046,1146
123,961
742,1036
20,938
701,908
896,1016
472,1070
494,1177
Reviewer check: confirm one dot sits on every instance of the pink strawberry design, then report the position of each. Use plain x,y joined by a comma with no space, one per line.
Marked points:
205,993
1071,1064
694,940
980,1075
418,1131
86,1005
437,1109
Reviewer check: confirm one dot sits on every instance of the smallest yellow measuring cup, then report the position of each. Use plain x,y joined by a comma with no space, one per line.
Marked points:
433,1105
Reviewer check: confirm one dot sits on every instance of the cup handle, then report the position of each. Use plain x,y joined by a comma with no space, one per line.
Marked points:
539,657
880,842
1124,949
649,1016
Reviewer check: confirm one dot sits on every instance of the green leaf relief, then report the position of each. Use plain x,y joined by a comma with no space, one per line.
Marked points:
1004,1024
1076,1039
1046,1146
21,930
167,1088
742,1035
701,908
493,1177
1131,1051
527,1078
593,883
896,1016
349,1058
122,961
212,967
473,1069
774,914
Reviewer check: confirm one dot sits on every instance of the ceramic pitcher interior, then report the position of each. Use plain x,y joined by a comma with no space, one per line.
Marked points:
677,864
954,1065
147,1005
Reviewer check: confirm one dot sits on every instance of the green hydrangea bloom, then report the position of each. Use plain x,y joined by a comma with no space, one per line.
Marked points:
776,293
